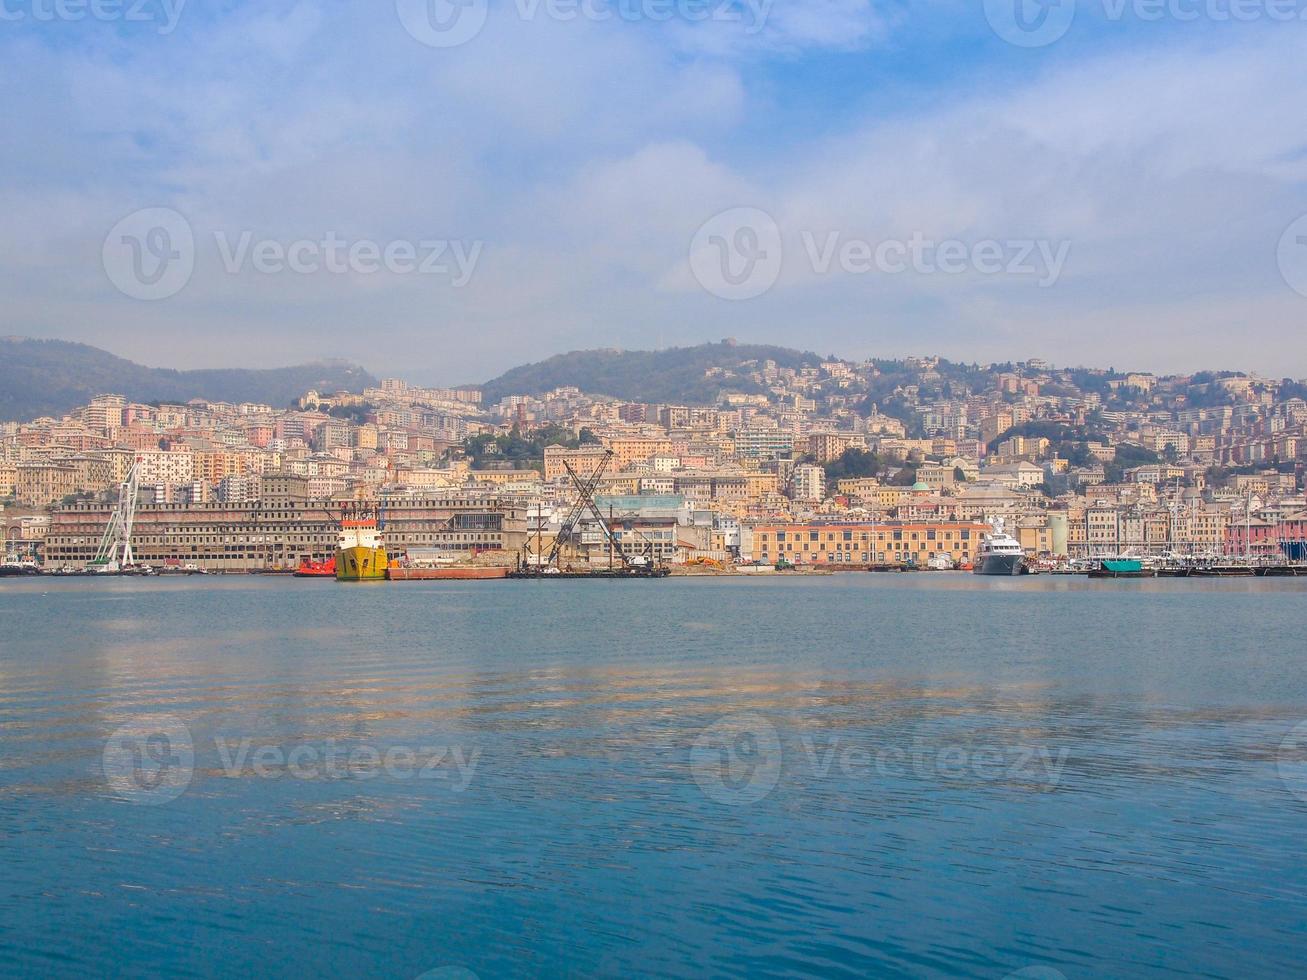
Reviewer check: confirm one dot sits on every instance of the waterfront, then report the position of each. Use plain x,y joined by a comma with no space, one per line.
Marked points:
927,774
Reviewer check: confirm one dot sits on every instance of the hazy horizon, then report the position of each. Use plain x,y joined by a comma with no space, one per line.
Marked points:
417,378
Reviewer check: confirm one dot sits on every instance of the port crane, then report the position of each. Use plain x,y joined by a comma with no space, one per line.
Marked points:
585,503
115,551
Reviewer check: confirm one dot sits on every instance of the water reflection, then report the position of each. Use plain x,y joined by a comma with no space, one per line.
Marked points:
961,780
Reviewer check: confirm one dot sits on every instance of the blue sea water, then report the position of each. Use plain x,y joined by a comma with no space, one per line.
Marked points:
855,775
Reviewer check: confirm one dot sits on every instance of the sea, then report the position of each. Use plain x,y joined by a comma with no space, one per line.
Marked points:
858,775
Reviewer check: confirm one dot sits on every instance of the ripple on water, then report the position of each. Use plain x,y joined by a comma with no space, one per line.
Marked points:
969,781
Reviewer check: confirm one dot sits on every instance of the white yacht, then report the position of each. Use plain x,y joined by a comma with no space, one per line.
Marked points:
1001,554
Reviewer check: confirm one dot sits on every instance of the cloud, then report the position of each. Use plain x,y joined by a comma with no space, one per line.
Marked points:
585,154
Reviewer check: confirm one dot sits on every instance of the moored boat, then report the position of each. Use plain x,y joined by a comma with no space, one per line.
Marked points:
360,554
14,567
1121,568
309,568
1002,554
398,573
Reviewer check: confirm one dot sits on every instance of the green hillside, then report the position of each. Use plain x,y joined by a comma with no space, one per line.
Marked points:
52,377
674,376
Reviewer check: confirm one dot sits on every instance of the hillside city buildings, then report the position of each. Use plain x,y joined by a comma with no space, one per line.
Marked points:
797,463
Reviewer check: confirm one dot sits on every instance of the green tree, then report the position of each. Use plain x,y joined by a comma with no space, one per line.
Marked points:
854,464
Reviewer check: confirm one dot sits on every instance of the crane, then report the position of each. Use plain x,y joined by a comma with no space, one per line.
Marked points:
115,551
585,494
633,565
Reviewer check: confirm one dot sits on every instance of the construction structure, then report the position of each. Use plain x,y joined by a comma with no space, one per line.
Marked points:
115,551
534,564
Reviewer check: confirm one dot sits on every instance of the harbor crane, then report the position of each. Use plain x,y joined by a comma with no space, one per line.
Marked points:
585,504
585,488
115,551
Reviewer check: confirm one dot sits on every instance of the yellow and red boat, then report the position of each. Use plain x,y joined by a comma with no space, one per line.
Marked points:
360,554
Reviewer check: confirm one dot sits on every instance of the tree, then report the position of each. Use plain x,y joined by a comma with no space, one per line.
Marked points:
523,451
854,464
905,477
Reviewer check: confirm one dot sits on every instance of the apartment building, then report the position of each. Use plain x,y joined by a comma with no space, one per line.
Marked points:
892,543
39,484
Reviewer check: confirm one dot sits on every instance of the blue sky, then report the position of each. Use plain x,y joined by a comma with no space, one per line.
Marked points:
577,159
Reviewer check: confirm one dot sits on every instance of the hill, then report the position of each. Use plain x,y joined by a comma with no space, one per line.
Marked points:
677,375
52,377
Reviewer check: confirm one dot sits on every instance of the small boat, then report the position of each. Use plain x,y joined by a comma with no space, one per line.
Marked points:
1121,568
309,568
1224,571
13,567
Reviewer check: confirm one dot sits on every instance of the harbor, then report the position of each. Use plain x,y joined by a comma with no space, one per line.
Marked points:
375,542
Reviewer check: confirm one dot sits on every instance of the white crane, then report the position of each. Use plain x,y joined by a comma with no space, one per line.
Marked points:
115,551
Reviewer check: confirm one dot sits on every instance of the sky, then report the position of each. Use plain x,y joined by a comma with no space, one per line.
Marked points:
443,189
